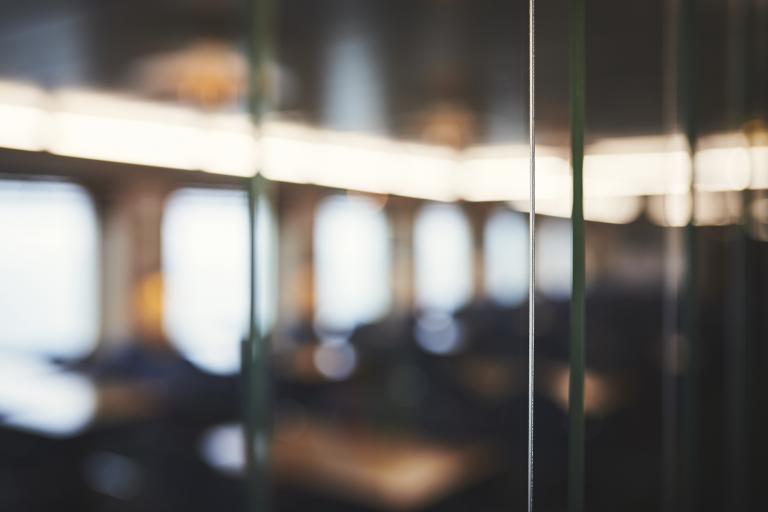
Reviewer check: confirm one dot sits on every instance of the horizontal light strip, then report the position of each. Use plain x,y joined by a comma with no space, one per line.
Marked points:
369,164
119,129
611,210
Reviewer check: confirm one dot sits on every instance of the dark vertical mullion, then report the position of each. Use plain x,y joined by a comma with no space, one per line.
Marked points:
737,353
671,374
577,352
737,337
758,111
255,370
255,354
689,124
673,255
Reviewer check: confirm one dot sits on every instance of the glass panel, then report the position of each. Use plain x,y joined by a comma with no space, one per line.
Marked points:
386,367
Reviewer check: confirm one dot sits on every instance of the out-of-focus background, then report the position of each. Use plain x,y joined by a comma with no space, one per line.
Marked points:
390,255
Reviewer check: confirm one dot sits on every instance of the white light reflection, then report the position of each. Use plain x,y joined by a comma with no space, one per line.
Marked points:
723,169
438,332
442,242
759,161
711,209
553,258
116,128
113,474
506,257
299,154
611,210
205,264
352,263
223,448
352,89
100,127
37,397
500,173
24,122
335,361
672,210
48,269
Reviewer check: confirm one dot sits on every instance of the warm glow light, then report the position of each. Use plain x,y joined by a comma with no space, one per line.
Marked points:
501,174
723,169
131,141
24,121
228,145
672,210
635,174
759,161
354,162
711,209
612,210
120,129
111,128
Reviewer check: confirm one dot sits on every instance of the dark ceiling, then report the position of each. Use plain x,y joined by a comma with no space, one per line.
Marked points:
469,54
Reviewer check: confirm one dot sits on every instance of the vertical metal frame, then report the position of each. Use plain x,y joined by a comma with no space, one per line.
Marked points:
577,74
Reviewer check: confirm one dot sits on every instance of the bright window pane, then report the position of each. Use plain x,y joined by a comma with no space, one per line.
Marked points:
443,251
205,262
553,258
352,263
48,269
506,257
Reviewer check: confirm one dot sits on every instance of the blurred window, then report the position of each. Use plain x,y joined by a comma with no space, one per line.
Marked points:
506,257
205,263
48,269
352,263
553,258
443,257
